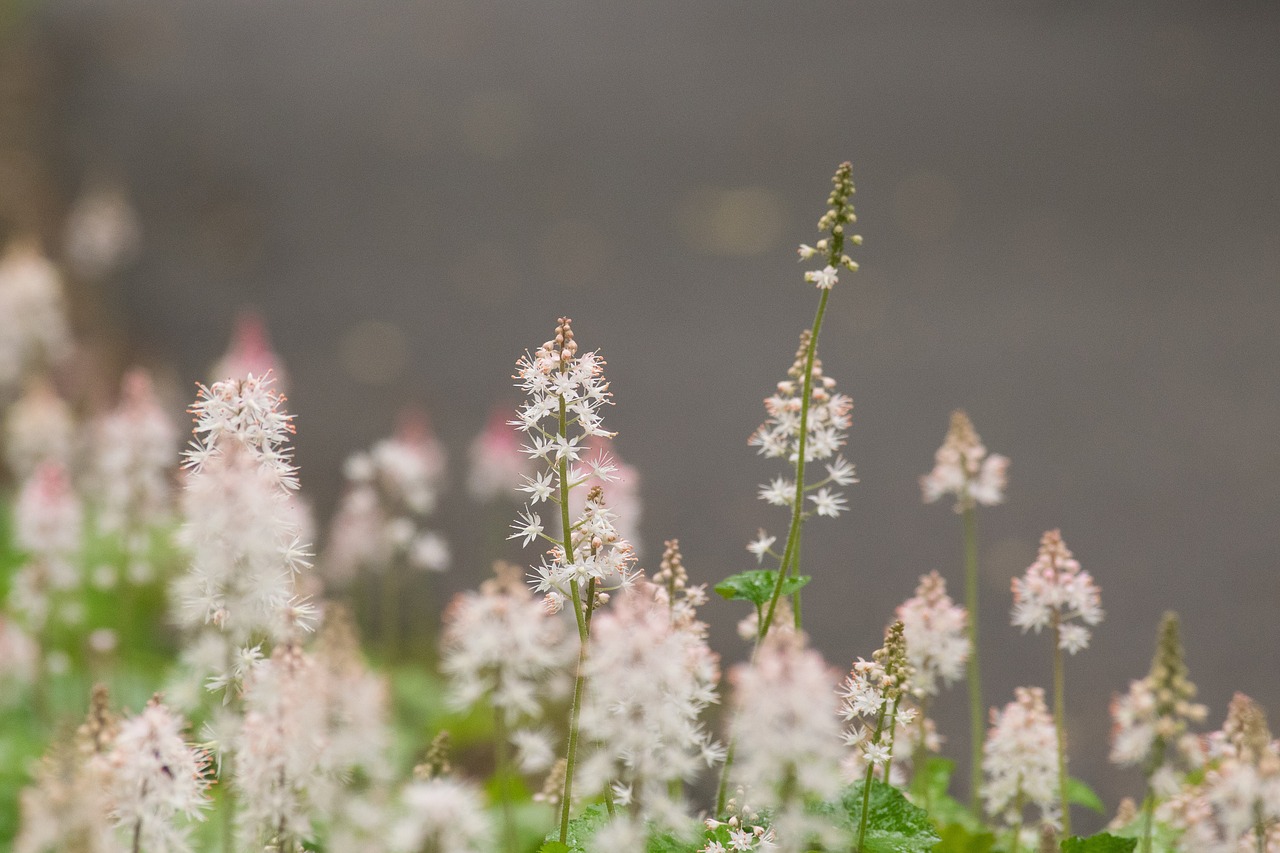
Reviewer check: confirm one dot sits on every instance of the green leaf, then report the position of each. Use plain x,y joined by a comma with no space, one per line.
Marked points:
757,586
929,791
894,825
1102,843
961,839
580,831
1080,794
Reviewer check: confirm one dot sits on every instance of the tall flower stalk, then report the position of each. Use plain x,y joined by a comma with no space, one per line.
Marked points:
1151,721
1056,593
806,421
963,468
809,425
567,390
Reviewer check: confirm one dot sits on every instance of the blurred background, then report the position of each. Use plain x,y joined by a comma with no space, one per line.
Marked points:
1072,225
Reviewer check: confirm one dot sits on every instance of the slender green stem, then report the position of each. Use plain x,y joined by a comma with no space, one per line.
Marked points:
579,685
502,760
722,789
893,727
976,722
391,610
1019,803
919,758
228,806
797,504
1148,814
137,836
795,596
866,785
1060,723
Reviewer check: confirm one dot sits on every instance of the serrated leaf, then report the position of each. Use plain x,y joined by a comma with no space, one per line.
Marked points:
581,829
757,586
1080,794
1101,843
894,825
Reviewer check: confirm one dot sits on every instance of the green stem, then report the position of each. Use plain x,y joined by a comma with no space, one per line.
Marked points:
797,505
390,611
502,757
1019,803
893,727
722,789
579,685
1060,722
976,723
1148,810
228,806
866,785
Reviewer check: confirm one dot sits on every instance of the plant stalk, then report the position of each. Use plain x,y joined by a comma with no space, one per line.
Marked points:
969,518
1060,722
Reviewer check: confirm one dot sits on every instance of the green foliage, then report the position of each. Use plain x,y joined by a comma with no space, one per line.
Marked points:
929,788
894,825
1101,843
757,586
960,839
580,830
1080,794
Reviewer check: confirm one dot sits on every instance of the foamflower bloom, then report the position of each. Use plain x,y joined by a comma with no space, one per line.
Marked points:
1020,759
1055,592
964,469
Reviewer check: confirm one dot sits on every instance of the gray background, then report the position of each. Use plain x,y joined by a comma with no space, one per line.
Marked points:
1072,222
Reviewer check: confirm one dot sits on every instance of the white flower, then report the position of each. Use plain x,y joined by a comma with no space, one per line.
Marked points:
1020,758
824,278
828,503
935,629
1054,590
528,526
442,815
761,545
962,468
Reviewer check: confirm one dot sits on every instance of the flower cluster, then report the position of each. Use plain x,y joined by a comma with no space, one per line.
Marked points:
831,247
242,525
38,428
501,646
1150,722
391,490
1053,592
872,696
566,391
826,429
133,451
33,325
962,467
1020,759
48,522
135,784
934,627
651,677
786,719
442,815
1236,806
154,777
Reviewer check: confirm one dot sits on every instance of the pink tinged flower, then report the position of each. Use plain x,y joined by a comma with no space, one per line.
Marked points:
39,427
1056,591
102,231
444,815
963,468
156,781
935,630
1020,758
786,722
33,325
250,352
497,464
